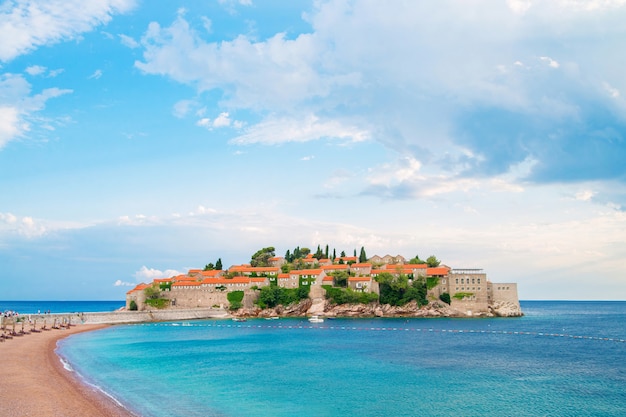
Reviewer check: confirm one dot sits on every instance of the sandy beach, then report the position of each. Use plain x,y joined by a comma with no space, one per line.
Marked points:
34,382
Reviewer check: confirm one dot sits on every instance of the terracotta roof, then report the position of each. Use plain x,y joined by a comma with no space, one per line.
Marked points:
139,287
437,271
186,284
359,278
306,272
333,267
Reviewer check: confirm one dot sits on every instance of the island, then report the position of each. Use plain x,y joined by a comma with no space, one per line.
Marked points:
303,283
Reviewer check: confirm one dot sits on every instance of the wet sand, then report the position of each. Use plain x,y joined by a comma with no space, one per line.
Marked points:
33,381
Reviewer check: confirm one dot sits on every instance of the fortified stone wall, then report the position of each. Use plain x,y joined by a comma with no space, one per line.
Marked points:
506,292
195,298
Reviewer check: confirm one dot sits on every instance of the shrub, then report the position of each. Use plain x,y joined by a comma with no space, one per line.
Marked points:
235,298
462,295
158,302
445,297
132,306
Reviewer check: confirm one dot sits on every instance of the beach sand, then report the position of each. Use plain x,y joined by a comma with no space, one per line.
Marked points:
33,381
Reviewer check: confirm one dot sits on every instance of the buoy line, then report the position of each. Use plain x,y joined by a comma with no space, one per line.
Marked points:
383,329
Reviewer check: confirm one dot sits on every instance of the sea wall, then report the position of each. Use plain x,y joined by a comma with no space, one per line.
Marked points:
118,317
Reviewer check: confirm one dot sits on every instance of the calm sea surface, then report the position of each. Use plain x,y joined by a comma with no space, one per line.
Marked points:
560,359
32,307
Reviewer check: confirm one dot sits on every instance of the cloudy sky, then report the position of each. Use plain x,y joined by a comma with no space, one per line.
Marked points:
138,139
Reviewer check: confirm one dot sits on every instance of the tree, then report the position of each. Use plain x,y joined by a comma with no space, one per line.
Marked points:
304,252
340,278
132,306
262,257
318,253
152,292
354,253
288,256
334,254
416,260
326,252
432,261
343,254
362,255
209,267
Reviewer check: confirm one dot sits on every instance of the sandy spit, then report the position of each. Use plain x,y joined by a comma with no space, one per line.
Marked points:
33,381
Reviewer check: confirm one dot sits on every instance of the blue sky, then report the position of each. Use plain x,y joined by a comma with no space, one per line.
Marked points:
138,139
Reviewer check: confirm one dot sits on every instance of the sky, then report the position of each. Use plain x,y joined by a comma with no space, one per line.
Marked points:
141,139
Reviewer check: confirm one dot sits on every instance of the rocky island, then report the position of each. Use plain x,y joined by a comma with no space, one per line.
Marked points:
303,284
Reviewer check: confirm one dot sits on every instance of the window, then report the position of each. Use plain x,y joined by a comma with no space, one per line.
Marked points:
462,281
457,280
478,280
443,281
473,281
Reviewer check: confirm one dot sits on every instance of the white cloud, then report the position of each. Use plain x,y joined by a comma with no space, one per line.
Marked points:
275,130
96,75
129,42
222,120
146,274
28,24
551,62
120,283
25,226
36,70
584,195
307,158
18,107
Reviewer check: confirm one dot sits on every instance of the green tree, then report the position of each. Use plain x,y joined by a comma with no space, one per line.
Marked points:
209,267
132,306
152,292
432,261
288,256
304,252
318,253
340,278
262,257
326,252
343,254
397,291
362,255
218,264
416,260
334,254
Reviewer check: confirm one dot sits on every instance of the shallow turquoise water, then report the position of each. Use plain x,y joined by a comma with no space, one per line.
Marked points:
562,358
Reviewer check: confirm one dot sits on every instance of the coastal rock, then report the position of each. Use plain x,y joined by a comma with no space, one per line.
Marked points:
412,309
505,309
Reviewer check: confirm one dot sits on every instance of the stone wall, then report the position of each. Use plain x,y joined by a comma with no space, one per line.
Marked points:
117,317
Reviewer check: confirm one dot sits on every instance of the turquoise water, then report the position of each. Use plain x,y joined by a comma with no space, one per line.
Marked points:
57,307
560,359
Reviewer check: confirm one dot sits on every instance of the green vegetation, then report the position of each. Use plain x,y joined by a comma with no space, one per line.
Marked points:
165,286
340,279
262,257
431,282
416,260
158,302
132,306
432,261
397,291
362,255
153,297
235,298
349,296
271,296
462,295
445,297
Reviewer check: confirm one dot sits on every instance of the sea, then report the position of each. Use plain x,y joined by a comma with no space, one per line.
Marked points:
562,358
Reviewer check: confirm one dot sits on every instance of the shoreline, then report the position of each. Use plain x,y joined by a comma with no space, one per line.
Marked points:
35,382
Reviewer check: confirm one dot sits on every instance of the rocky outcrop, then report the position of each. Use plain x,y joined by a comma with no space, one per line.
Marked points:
505,309
433,309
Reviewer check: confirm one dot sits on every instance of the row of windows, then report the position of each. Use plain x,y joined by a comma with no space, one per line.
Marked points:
503,288
468,288
463,280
